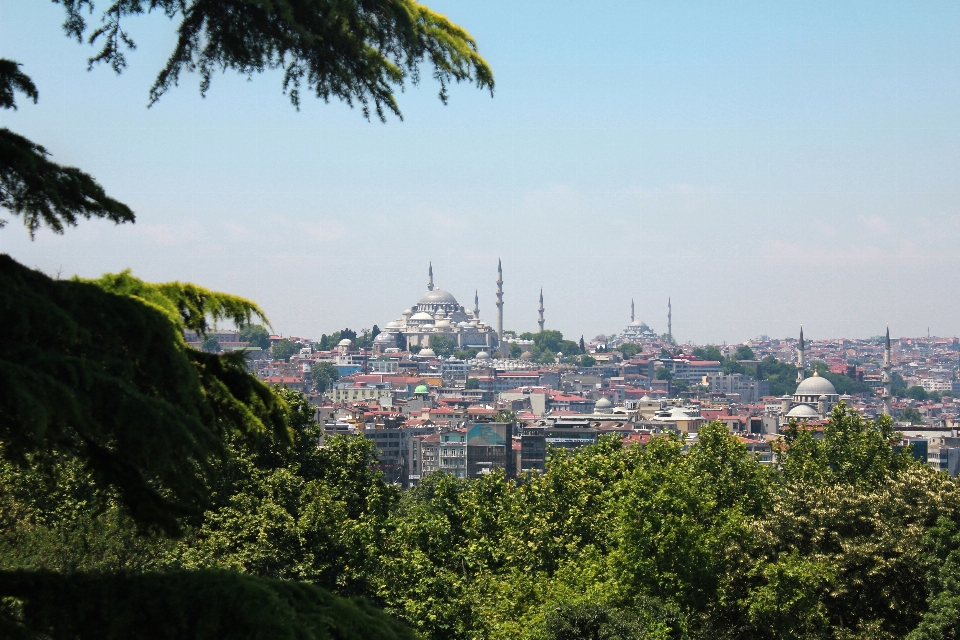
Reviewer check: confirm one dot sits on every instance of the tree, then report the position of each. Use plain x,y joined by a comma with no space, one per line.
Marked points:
442,345
583,347
100,370
664,374
256,335
709,352
744,352
283,349
211,344
917,393
473,383
324,374
587,361
515,351
628,349
911,415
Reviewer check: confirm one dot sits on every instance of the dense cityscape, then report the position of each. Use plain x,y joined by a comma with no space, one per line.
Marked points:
435,387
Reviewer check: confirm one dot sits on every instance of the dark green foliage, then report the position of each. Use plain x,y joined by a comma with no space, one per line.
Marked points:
587,361
547,343
473,383
100,370
588,621
664,374
354,50
442,345
743,352
45,193
898,386
211,344
782,376
709,352
472,352
13,80
628,349
324,374
911,415
916,393
256,335
182,604
39,190
283,349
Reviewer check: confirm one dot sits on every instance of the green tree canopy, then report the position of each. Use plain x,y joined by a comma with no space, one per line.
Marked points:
911,415
324,374
744,352
256,335
100,369
443,345
283,349
917,393
473,383
709,352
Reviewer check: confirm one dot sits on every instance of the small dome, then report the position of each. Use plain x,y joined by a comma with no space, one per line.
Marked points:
344,343
421,390
427,353
438,296
422,316
407,312
392,325
385,338
603,404
803,412
483,355
526,355
815,386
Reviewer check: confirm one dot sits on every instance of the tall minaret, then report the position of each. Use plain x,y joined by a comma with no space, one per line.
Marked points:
430,284
476,305
669,320
631,310
500,306
801,362
886,378
540,321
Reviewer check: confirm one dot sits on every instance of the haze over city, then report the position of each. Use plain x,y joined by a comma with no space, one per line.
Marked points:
762,166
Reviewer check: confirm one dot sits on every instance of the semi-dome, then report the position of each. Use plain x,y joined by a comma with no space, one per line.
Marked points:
427,353
422,315
526,355
392,325
437,296
346,342
385,337
803,412
603,404
483,355
816,386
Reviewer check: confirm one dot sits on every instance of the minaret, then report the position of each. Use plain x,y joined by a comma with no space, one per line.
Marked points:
430,284
476,305
499,306
631,310
801,362
886,378
669,320
540,321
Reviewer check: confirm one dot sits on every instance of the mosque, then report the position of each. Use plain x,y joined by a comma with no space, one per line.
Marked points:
636,332
814,398
438,313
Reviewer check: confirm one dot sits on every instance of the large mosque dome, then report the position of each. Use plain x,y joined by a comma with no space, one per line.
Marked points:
438,296
815,386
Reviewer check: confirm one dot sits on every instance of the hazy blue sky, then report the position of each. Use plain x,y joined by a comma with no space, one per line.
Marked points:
764,164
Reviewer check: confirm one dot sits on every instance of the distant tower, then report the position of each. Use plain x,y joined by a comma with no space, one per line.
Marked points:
631,310
500,306
669,320
801,362
540,321
886,378
476,305
430,284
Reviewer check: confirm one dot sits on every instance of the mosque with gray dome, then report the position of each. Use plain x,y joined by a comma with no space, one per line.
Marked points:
438,313
814,398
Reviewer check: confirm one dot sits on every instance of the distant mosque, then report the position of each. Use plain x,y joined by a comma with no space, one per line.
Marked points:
636,332
814,398
438,313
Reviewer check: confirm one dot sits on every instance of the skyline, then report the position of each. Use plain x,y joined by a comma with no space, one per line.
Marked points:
763,167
